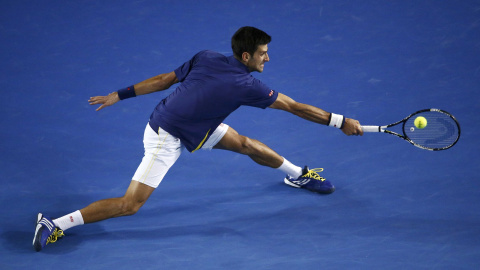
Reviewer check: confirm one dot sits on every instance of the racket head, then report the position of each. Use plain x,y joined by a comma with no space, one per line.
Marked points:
441,132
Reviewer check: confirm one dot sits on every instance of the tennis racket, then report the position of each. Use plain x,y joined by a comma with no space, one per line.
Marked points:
441,132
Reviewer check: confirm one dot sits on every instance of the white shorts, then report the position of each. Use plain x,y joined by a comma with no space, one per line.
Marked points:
161,152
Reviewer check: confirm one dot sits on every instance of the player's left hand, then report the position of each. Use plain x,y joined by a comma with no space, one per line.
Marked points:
352,127
106,101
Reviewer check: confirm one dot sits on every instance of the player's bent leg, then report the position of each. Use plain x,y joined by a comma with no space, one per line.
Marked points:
296,177
136,195
256,150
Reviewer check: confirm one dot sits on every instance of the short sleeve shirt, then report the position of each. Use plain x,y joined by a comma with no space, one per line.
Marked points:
212,86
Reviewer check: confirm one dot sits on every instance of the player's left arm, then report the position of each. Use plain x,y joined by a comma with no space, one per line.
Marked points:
158,83
314,114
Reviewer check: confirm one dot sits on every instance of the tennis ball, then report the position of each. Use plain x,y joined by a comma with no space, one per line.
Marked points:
420,122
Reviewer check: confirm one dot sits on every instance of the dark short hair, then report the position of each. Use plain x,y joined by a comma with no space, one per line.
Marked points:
247,39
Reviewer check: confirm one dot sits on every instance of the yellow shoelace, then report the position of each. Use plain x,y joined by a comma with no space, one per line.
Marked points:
313,173
57,233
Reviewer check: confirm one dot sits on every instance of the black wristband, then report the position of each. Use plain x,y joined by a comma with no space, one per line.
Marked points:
127,92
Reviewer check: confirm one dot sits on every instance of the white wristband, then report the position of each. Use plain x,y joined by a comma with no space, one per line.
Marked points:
336,120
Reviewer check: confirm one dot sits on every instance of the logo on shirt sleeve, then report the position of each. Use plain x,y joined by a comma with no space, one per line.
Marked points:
271,93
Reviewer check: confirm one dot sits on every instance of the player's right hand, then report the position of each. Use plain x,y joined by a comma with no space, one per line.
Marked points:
352,127
106,101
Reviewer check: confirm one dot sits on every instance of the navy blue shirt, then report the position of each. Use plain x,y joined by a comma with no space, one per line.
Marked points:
212,86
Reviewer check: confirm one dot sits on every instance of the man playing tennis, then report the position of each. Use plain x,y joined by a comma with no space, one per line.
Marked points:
212,86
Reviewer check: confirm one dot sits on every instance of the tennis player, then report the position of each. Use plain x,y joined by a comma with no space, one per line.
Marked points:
211,87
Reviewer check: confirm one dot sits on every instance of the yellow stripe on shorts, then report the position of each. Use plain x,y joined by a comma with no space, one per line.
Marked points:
202,142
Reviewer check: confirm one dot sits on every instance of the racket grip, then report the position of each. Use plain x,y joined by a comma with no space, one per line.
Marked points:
371,128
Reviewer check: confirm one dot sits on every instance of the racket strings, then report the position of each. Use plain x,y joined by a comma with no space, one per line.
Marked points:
441,130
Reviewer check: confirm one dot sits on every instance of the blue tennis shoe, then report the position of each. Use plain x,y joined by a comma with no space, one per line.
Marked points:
311,180
46,232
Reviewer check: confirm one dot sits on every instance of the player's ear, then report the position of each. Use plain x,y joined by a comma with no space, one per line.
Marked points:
246,56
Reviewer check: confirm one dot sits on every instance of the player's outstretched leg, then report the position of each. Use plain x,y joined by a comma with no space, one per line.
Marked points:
135,196
264,155
48,230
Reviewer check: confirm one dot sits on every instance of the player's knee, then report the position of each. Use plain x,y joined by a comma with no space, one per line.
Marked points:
130,207
248,146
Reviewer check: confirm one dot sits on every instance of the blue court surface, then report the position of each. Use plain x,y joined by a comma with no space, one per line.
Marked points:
396,206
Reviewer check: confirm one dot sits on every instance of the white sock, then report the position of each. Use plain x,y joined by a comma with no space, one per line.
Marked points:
68,221
290,169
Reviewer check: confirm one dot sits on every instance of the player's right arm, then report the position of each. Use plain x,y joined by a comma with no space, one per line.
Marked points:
158,83
314,114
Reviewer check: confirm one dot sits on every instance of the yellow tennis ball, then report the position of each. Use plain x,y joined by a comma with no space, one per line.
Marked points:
420,122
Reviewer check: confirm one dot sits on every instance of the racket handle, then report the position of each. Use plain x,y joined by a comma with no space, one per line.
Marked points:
371,129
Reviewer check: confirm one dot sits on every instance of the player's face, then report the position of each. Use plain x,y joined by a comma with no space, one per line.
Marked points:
257,62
